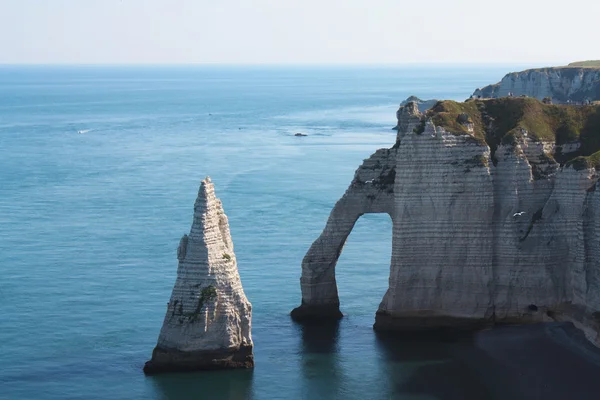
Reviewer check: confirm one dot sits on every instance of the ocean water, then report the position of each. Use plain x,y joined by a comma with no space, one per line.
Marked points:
90,222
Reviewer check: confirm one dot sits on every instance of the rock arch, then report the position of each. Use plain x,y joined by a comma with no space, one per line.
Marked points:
371,191
460,258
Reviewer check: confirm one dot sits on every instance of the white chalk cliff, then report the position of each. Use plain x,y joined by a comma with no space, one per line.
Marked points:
422,105
208,319
561,84
487,226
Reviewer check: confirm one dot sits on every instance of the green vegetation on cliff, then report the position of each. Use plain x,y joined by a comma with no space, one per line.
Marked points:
447,113
505,120
583,162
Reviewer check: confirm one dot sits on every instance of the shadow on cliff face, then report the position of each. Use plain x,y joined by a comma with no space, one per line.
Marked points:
226,385
530,362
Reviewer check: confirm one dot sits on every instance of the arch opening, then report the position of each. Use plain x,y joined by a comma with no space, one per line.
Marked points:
363,267
370,192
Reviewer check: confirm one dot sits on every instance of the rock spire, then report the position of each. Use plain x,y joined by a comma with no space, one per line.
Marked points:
208,320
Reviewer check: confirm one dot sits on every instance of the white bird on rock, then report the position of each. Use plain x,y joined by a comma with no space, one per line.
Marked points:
370,181
518,214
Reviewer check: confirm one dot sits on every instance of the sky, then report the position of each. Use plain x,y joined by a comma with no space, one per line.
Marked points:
540,32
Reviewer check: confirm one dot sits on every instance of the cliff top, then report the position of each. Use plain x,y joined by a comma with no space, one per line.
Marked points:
574,68
586,64
504,120
564,69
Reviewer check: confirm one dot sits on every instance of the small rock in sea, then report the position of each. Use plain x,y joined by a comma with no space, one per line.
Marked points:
300,134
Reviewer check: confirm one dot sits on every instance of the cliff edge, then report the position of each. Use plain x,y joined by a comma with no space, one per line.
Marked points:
422,105
496,218
208,320
575,83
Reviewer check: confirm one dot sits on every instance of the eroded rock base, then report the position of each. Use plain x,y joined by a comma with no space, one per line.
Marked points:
411,323
169,360
386,322
322,312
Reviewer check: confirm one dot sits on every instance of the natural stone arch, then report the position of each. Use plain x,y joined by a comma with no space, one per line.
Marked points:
479,237
371,191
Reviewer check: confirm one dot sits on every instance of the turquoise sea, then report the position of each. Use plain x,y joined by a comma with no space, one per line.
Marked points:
90,222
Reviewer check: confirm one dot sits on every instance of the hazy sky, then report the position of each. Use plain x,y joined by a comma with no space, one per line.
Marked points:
291,31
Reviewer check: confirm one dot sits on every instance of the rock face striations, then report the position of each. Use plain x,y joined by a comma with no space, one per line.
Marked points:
496,218
208,320
562,84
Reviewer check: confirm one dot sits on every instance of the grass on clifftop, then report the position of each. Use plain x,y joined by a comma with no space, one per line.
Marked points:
446,113
567,71
586,64
583,162
503,120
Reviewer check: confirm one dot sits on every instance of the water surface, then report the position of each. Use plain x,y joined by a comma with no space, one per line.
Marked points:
90,222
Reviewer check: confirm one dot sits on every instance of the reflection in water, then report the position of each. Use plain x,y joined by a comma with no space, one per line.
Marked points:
222,385
436,367
320,362
348,360
320,336
549,361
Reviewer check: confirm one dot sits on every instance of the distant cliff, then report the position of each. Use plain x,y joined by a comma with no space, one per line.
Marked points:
496,218
577,82
587,64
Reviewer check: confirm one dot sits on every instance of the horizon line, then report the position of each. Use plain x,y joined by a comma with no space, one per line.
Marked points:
278,64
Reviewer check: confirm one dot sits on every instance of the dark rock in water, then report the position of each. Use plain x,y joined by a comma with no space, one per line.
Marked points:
204,360
300,134
322,312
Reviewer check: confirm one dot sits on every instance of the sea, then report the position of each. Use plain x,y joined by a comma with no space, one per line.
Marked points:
99,170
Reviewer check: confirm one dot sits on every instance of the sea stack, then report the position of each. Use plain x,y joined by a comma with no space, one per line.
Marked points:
208,320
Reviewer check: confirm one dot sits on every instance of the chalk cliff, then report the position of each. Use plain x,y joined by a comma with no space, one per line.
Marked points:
496,218
422,105
562,84
208,319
